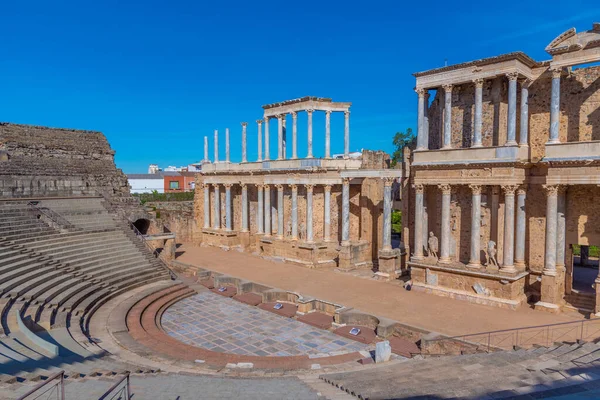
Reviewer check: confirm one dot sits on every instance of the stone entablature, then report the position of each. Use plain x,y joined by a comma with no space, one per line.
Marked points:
304,104
274,165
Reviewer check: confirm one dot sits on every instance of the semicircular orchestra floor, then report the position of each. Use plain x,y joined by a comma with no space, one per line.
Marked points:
221,324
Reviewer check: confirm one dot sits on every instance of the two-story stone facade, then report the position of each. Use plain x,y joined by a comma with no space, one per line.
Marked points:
507,169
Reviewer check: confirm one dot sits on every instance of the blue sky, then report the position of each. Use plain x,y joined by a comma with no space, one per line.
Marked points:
156,77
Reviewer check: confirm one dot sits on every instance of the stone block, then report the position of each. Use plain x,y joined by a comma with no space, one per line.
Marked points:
383,352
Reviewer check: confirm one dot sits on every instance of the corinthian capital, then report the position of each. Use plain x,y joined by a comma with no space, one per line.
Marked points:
446,189
244,124
419,188
556,72
475,189
447,88
387,181
509,189
551,190
512,76
259,121
421,92
478,82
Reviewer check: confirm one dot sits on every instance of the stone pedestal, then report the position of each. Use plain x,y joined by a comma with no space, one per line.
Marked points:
244,239
388,263
552,291
345,258
169,250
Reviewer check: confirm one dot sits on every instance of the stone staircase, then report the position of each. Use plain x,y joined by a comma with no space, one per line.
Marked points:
533,373
56,279
581,301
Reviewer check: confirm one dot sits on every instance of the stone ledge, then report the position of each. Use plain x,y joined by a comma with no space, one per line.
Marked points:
472,272
471,297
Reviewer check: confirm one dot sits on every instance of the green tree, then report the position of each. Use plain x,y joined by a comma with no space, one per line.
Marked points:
402,140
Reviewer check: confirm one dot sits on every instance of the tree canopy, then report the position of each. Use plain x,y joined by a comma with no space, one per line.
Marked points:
402,140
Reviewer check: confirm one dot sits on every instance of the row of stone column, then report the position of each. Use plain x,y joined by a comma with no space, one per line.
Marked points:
282,135
282,138
263,218
513,249
423,118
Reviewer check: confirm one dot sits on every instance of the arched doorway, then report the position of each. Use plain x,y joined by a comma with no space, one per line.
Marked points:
142,225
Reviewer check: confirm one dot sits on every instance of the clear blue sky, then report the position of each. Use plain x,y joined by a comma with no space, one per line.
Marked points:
156,77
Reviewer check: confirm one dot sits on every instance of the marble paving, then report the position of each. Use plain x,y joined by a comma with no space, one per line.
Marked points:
220,324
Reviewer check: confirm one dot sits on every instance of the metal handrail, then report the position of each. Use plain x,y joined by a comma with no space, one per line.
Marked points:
154,252
126,389
39,386
575,330
53,215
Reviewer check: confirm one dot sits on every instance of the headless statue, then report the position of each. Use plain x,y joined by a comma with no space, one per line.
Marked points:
433,244
490,254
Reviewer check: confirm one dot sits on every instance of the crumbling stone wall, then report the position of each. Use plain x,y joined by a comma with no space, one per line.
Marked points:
41,161
176,217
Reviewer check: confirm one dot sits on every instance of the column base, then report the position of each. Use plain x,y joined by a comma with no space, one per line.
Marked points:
548,307
511,143
477,145
552,290
417,258
553,141
508,269
520,265
244,239
444,260
474,265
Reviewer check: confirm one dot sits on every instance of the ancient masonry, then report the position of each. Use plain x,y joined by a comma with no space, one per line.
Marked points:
304,210
506,174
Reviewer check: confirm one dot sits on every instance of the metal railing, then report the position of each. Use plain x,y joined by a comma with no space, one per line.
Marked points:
53,216
508,339
51,388
121,390
152,250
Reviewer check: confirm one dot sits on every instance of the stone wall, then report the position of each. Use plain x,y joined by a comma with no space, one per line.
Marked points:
41,161
176,217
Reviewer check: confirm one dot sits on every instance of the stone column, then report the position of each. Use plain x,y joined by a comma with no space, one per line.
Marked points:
206,149
259,212
555,107
327,134
279,137
426,121
421,145
524,130
387,213
345,212
419,197
267,210
284,136
477,121
206,206
327,214
445,239
309,213
216,146
244,207
310,139
346,134
228,221
511,136
447,143
551,227
425,222
227,159
280,231
561,226
521,228
244,158
217,208
475,258
509,229
267,140
294,212
259,122
294,134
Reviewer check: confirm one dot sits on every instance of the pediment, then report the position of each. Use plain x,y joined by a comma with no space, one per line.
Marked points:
570,41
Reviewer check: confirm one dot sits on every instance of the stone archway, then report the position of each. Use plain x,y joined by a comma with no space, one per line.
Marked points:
142,225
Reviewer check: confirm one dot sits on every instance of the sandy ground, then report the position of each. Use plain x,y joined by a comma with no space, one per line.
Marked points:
430,312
